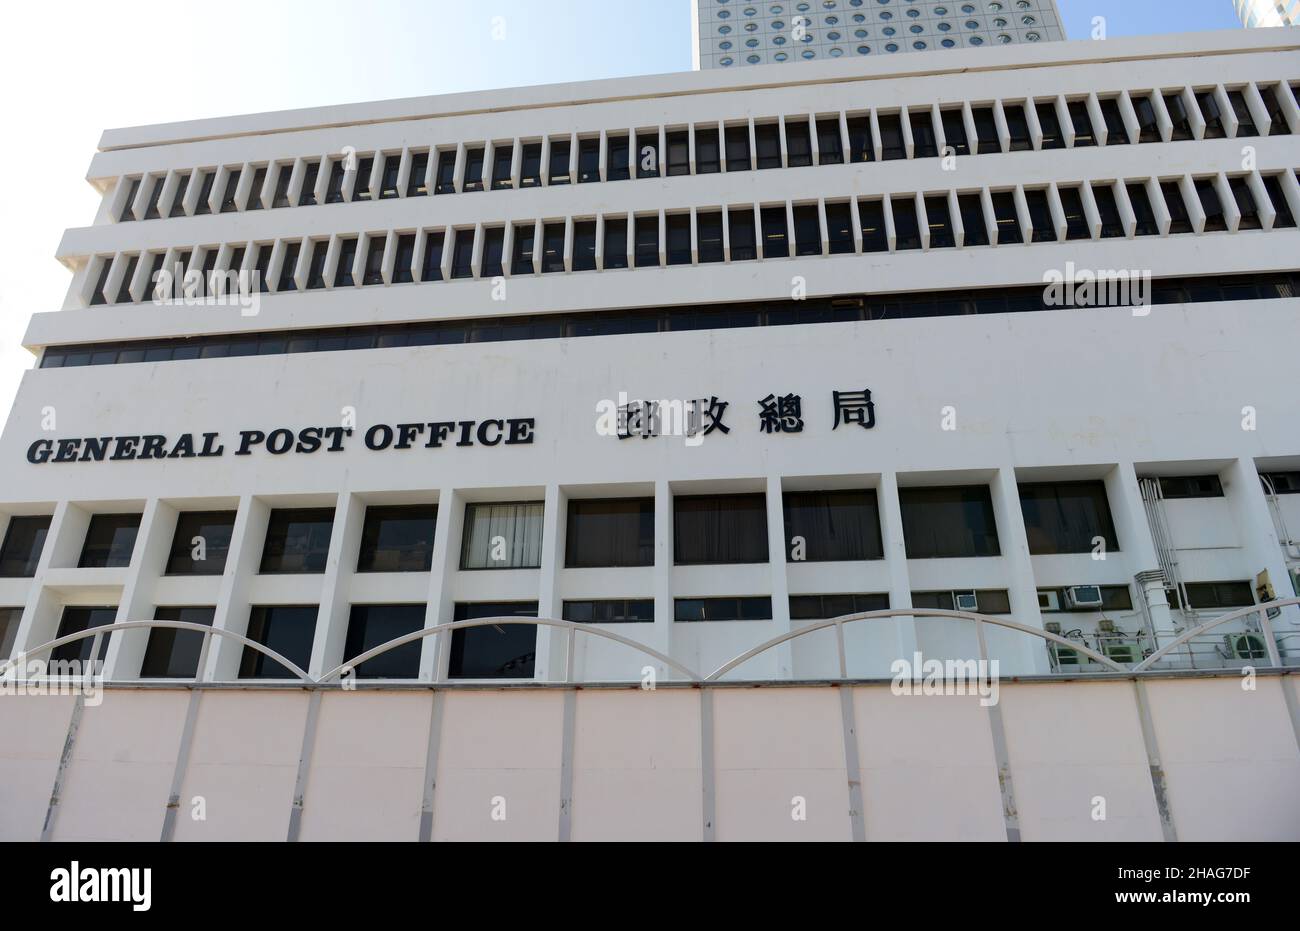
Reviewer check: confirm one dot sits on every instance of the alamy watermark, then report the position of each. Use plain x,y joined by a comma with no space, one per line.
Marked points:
1103,287
921,676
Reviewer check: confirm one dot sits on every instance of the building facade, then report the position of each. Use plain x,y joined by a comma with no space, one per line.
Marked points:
1268,12
697,361
733,33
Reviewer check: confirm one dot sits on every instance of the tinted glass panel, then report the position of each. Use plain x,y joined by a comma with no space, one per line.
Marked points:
823,526
711,529
370,626
398,538
286,629
504,651
201,543
610,532
1066,517
110,539
297,540
24,540
171,653
948,522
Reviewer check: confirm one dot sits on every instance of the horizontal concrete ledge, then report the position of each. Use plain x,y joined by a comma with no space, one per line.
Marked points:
951,61
1267,672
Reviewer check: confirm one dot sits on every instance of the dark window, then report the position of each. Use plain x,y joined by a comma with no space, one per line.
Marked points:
860,145
939,220
552,247
830,147
839,228
610,532
1245,121
172,653
1048,122
1040,216
775,236
767,140
10,618
1277,116
647,241
975,228
201,543
1112,226
287,267
588,160
126,216
614,253
722,609
370,626
208,178
807,230
462,254
432,266
1208,101
1246,206
584,245
475,161
948,522
1146,215
494,240
679,153
832,525
347,259
986,129
647,154
521,262
445,183
183,184
740,228
1018,126
530,166
738,148
307,196
124,290
398,538
825,607
1215,220
361,187
334,189
1284,483
1081,120
708,227
416,183
1148,126
110,538
1273,186
23,543
501,651
713,529
98,296
871,214
74,621
374,271
954,131
907,229
617,154
1008,220
1181,220
559,167
1177,111
891,136
1191,486
151,208
1220,594
286,629
502,157
708,156
316,269
678,238
262,265
1116,131
798,142
297,540
405,258
987,601
615,611
1065,517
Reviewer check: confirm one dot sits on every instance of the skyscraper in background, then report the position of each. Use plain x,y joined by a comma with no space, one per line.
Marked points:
1268,12
735,32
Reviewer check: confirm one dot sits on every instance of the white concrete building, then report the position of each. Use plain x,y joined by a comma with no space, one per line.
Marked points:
429,404
732,33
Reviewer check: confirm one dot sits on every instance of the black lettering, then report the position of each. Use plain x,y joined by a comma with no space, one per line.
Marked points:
279,441
154,447
208,440
521,430
438,432
406,433
309,440
39,452
482,432
380,436
184,448
336,435
248,439
95,448
124,447
465,427
67,451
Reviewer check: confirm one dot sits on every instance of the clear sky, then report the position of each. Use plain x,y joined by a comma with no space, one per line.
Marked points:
74,68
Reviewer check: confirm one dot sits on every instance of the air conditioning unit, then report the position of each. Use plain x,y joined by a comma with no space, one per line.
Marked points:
1049,599
1124,652
965,601
1245,646
1052,627
1082,597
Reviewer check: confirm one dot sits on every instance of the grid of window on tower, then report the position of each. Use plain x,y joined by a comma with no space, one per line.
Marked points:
834,526
736,32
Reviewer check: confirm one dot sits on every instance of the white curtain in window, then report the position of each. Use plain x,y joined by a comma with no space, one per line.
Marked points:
503,536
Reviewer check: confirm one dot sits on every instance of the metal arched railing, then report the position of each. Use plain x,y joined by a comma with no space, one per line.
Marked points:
574,628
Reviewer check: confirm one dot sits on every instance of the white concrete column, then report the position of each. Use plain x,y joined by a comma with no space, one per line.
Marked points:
439,605
340,563
661,637
1021,586
246,540
1137,548
776,554
1258,534
148,561
552,643
900,584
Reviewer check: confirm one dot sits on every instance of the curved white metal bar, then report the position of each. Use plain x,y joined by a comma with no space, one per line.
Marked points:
915,613
572,626
6,665
1186,636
